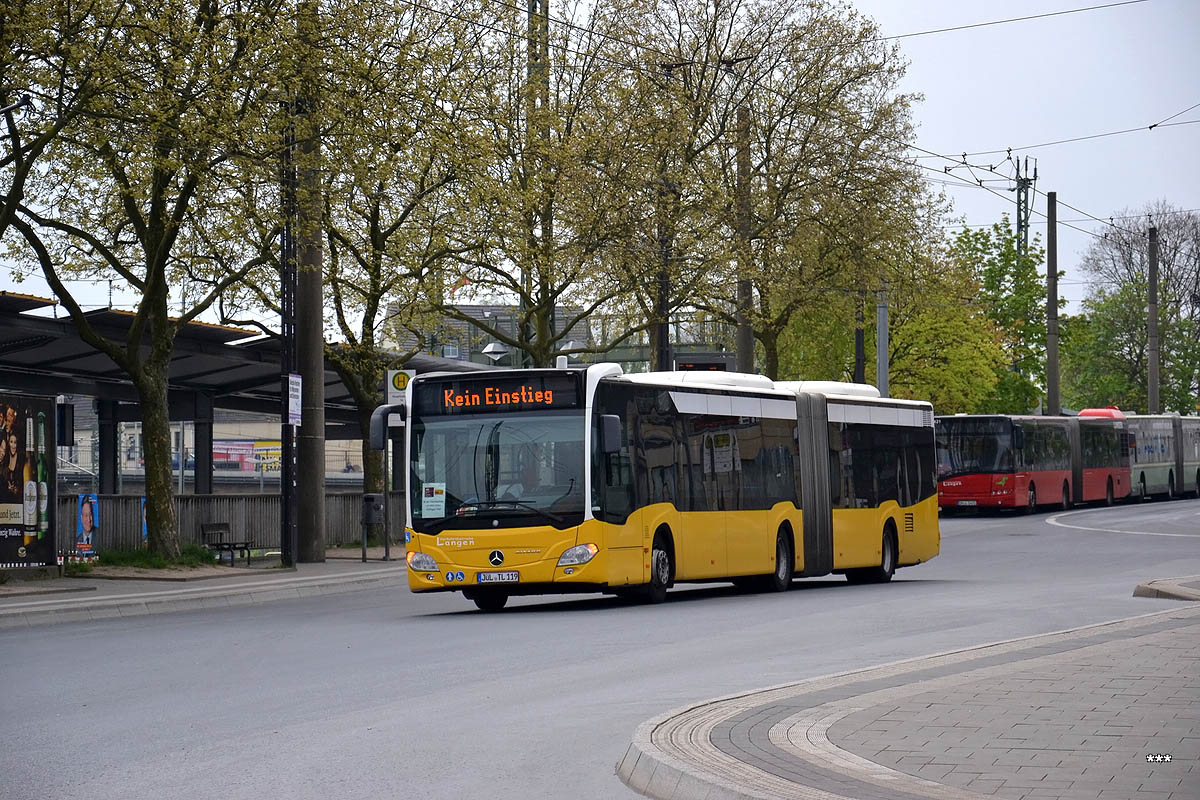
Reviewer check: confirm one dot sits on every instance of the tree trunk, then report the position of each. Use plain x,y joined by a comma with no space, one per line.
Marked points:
770,343
162,526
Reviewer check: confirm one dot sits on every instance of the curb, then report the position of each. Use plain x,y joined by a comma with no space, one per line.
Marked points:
34,613
1170,588
650,770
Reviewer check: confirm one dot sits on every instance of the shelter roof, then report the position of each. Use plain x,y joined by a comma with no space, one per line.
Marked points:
46,355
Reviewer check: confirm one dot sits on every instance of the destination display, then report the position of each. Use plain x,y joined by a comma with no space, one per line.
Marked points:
528,392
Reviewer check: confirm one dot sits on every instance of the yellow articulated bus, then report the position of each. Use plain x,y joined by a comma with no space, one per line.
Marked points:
585,479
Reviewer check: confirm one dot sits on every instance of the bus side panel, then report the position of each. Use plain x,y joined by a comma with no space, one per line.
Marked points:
920,537
621,546
858,535
700,545
817,467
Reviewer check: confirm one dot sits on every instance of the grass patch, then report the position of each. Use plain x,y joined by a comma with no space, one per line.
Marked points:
190,555
371,542
77,568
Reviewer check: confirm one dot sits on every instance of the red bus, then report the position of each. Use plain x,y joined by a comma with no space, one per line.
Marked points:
1002,461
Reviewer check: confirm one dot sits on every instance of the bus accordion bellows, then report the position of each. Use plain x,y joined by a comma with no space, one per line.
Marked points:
1003,461
586,479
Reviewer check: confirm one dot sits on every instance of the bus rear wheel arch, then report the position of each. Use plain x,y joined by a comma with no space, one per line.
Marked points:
888,553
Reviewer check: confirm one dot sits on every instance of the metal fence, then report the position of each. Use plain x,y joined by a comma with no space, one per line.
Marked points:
254,516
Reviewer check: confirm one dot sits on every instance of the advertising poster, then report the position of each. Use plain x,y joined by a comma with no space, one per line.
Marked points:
87,525
27,481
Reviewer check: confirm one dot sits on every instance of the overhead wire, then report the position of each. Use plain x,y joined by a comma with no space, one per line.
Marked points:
1012,19
853,123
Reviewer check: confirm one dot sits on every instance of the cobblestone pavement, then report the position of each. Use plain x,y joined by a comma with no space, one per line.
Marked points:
1107,711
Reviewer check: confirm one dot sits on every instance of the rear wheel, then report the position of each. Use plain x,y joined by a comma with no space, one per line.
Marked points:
489,601
781,579
661,569
887,563
1066,497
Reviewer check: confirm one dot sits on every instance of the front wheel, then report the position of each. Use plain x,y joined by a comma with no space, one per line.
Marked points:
660,570
489,601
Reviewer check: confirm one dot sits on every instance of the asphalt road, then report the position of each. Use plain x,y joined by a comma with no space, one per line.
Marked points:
383,694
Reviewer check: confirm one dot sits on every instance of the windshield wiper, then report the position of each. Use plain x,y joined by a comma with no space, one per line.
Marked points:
555,518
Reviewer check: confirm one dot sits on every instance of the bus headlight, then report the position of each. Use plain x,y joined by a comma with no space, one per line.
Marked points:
580,554
421,562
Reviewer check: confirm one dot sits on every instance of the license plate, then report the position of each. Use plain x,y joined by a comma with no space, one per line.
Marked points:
966,502
497,577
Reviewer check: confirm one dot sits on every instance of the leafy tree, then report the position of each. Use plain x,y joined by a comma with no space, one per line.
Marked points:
139,174
826,180
1105,350
1012,293
553,122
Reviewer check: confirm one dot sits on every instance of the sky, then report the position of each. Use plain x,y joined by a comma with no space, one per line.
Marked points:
1034,81
1043,80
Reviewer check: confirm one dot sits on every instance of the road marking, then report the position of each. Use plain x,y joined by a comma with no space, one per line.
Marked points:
1054,520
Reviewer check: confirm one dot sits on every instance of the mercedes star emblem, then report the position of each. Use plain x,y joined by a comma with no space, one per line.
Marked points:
495,558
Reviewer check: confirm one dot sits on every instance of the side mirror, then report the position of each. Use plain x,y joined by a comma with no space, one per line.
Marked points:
379,426
1018,438
610,433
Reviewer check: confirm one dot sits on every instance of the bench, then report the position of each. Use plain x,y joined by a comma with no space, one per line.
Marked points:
218,537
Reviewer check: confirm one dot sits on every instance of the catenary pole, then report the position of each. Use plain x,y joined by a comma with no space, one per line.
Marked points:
1152,322
745,335
1053,401
882,346
310,281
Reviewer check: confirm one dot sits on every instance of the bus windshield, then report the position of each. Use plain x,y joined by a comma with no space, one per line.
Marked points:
968,446
497,471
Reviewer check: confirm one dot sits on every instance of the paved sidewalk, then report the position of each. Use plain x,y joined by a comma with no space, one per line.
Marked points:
1106,711
80,599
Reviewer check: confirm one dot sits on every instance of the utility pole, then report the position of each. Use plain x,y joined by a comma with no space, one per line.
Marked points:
745,335
310,282
1025,188
537,138
287,352
1152,313
745,293
663,359
881,341
1053,401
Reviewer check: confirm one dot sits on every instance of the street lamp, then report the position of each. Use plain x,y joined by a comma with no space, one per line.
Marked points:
495,351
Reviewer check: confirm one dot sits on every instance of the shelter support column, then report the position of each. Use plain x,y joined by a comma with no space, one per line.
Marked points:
108,412
203,483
